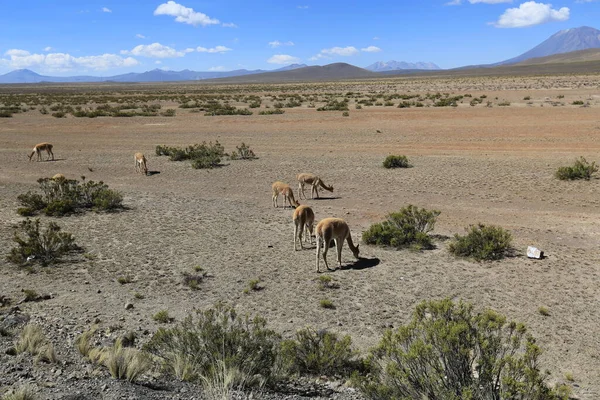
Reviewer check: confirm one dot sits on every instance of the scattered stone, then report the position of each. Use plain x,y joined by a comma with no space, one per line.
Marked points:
128,306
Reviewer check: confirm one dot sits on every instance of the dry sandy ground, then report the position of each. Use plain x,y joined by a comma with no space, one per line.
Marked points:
474,164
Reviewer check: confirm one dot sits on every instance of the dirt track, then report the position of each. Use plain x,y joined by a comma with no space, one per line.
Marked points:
474,164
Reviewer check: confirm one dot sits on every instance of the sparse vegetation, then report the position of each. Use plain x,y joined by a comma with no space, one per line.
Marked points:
581,169
61,197
408,227
33,341
326,303
448,351
392,161
44,247
25,392
544,311
482,242
243,152
162,317
319,353
123,280
196,346
201,155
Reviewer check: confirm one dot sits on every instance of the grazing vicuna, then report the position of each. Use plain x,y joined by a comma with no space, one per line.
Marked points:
333,229
140,163
314,182
38,148
303,217
285,190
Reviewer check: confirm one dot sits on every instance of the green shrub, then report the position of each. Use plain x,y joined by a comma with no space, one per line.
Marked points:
61,197
326,303
243,152
581,169
47,247
271,112
319,353
392,161
448,351
196,346
482,243
345,114
578,103
162,317
168,113
334,105
59,114
408,227
201,155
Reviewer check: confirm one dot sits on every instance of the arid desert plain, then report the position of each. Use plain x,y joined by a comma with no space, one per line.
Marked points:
491,162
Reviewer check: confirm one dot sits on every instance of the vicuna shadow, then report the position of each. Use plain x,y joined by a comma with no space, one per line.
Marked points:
327,198
150,173
362,263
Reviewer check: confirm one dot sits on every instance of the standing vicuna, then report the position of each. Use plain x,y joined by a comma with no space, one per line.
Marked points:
140,163
333,229
314,182
285,190
38,148
303,217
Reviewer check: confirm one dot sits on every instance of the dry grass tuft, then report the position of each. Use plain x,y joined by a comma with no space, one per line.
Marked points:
33,341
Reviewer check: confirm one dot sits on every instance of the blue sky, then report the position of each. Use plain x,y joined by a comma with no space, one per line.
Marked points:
111,37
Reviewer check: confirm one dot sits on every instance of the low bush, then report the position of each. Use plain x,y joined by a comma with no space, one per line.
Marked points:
61,197
581,169
482,242
25,392
319,353
408,227
448,351
195,347
243,152
271,112
392,161
33,341
47,247
201,155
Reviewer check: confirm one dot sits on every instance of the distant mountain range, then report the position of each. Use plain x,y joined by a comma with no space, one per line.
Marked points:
381,66
156,75
573,43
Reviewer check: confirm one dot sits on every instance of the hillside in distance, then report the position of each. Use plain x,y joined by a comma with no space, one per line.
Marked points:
327,72
565,41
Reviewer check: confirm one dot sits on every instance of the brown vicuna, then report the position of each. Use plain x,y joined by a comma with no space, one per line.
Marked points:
314,182
335,229
140,163
303,217
287,193
38,148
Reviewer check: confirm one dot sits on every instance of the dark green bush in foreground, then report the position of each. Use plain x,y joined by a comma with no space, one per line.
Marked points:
396,162
197,346
45,247
319,353
580,170
448,351
408,227
482,243
61,197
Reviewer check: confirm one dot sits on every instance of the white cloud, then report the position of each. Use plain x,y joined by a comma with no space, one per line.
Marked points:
154,50
283,59
140,36
185,15
48,48
454,3
63,61
531,13
106,10
216,49
229,25
217,69
17,53
371,49
340,51
277,43
376,38
157,62
303,7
